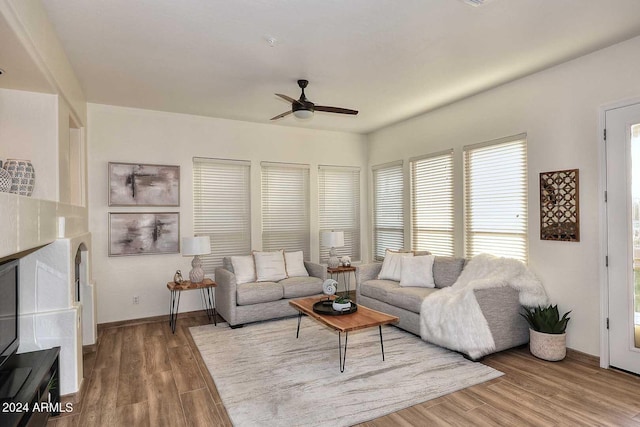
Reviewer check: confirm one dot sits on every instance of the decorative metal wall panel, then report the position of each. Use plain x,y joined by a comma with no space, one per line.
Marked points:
559,205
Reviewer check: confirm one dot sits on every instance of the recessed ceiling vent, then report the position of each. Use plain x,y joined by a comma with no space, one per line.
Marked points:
476,3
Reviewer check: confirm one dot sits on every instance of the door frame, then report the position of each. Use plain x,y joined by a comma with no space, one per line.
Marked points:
602,187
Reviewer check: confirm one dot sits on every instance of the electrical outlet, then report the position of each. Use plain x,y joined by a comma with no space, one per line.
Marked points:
136,299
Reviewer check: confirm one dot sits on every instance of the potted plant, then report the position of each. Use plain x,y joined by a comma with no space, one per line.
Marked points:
547,336
342,303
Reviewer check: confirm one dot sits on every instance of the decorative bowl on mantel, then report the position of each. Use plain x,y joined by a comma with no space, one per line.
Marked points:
23,176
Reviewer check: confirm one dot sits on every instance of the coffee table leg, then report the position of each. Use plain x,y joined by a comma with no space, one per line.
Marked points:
381,344
342,358
299,319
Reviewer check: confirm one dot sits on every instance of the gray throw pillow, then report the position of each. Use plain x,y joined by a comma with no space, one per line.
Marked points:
446,270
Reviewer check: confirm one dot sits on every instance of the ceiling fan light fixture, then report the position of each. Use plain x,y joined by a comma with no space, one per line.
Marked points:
303,114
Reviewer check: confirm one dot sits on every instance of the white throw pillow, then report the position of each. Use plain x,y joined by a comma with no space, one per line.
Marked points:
418,271
294,262
244,268
270,266
392,265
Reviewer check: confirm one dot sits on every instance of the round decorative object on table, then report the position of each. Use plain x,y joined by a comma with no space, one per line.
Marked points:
23,176
5,181
326,307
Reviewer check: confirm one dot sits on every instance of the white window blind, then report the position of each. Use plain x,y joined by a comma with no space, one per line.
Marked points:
285,207
495,175
388,212
339,208
432,203
221,208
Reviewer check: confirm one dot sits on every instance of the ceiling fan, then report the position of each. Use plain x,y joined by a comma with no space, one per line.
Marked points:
303,108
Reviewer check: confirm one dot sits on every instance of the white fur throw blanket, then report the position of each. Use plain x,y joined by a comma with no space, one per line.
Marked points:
452,317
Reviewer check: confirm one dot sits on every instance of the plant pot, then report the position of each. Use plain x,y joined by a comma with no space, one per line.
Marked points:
341,306
551,347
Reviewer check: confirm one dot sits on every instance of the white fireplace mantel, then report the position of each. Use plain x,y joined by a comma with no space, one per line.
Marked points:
27,223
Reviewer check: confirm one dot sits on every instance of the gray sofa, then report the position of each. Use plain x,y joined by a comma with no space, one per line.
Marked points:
256,301
500,306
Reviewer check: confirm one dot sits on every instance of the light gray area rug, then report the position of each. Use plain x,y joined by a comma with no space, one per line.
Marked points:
267,377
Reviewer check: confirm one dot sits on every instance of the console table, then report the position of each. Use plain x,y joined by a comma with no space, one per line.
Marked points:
39,396
208,299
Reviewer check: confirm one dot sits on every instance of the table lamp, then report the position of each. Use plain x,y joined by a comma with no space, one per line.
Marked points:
333,240
196,246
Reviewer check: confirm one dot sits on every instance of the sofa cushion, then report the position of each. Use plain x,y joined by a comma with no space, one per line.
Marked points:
270,266
258,292
294,263
409,298
417,271
392,265
244,268
446,270
297,287
377,288
226,264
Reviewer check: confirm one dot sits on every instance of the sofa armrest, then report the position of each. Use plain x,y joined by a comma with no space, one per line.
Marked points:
501,308
226,295
316,270
366,272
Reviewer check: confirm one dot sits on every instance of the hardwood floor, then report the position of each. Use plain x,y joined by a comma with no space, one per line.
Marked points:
143,375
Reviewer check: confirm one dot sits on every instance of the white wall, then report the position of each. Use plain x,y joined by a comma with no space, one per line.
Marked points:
559,110
131,135
31,24
28,130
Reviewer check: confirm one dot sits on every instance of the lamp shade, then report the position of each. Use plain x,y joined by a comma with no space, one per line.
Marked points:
333,239
199,245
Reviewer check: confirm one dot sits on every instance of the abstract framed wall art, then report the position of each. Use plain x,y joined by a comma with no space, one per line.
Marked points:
135,184
144,233
560,205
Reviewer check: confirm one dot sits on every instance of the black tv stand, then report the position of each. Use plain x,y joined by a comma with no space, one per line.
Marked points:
11,382
39,395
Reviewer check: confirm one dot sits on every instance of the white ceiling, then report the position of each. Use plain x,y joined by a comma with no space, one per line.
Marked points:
390,59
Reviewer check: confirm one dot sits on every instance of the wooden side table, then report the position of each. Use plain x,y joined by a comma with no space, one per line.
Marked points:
208,299
345,271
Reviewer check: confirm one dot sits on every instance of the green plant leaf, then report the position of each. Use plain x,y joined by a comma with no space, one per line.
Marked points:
546,319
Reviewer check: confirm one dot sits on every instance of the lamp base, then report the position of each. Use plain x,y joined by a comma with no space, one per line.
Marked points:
196,275
333,261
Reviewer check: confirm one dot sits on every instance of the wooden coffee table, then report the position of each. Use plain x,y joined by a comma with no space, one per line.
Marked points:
361,319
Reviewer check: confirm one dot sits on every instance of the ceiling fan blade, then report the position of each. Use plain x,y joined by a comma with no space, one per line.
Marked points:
334,110
279,116
288,98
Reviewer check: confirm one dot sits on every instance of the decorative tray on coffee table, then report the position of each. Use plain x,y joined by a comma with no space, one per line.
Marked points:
326,307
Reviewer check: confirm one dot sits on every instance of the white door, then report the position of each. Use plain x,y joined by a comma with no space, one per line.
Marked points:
623,235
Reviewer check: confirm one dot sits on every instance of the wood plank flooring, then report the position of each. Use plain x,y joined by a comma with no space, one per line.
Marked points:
143,375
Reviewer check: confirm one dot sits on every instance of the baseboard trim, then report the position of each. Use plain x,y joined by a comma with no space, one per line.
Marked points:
583,357
141,321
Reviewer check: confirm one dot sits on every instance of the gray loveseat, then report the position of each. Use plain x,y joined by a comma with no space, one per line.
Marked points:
256,301
500,305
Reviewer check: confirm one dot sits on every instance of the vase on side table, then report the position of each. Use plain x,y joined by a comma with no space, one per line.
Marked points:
23,176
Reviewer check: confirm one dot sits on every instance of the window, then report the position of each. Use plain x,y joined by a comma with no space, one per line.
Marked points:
285,207
432,203
222,208
495,192
339,208
388,212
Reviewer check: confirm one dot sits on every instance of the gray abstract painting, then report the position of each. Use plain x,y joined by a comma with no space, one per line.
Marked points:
132,184
144,233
